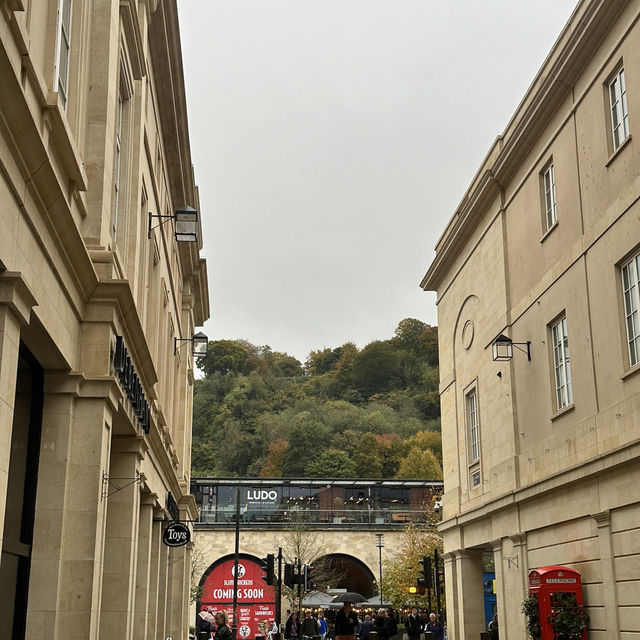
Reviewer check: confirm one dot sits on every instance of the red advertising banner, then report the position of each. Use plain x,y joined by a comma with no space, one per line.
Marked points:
256,599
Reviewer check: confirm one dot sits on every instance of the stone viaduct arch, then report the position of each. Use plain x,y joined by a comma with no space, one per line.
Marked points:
212,544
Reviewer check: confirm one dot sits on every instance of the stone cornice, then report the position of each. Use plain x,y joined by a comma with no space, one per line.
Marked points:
584,32
166,60
117,294
627,454
15,293
132,33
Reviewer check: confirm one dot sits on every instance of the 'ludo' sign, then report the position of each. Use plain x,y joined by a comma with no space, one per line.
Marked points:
176,535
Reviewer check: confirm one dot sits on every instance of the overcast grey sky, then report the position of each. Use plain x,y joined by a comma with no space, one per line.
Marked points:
332,141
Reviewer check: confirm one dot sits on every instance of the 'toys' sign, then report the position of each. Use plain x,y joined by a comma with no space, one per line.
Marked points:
176,535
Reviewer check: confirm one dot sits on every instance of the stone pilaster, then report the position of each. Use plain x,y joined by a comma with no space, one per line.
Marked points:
451,593
469,611
121,540
16,303
154,572
164,589
65,584
179,591
144,568
608,572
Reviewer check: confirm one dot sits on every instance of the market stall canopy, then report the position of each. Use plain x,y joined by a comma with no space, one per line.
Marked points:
316,599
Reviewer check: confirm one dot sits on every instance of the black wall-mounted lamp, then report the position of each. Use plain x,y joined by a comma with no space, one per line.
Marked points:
199,344
185,224
502,348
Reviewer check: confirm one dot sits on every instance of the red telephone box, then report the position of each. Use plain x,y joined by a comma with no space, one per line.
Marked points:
558,589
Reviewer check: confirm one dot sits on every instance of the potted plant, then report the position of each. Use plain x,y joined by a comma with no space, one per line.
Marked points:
569,624
530,609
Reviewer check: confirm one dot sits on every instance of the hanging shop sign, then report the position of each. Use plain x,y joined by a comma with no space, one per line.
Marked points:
176,534
130,382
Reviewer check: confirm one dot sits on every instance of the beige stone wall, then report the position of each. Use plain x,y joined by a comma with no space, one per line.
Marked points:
73,276
557,487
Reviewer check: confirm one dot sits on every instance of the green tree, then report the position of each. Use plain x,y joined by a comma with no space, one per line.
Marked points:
330,463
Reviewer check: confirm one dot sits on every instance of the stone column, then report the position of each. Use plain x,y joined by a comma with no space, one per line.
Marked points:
470,601
144,568
520,563
121,539
179,592
16,303
608,572
66,567
501,587
154,573
163,588
451,595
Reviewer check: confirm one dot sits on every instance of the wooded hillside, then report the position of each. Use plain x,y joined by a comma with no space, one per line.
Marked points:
346,412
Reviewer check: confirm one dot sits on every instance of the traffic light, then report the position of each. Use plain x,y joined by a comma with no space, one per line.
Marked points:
426,572
268,565
418,590
308,583
289,576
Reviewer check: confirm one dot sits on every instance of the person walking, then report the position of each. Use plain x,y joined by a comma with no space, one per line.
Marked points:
309,626
435,627
346,623
414,624
392,624
381,626
292,627
322,626
365,628
492,628
222,626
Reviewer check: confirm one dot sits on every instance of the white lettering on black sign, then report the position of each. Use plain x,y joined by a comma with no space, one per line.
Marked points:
176,535
262,495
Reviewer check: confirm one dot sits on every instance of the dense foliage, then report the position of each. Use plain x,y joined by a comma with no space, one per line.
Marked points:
370,413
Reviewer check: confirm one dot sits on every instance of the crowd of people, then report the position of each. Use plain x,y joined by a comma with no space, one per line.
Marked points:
348,626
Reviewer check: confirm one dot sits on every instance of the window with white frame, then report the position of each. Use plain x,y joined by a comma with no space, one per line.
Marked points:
631,292
549,188
618,104
560,341
472,422
117,165
473,435
63,47
121,150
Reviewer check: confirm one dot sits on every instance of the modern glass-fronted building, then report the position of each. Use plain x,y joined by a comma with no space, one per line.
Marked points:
318,501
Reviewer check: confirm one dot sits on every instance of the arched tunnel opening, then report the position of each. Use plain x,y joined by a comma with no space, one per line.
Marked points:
349,573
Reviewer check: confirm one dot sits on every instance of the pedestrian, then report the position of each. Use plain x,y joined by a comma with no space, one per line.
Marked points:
414,625
380,624
309,625
203,626
492,628
272,629
435,627
392,624
346,623
292,627
322,626
365,628
222,626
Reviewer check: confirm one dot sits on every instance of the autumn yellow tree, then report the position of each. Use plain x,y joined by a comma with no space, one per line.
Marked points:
402,569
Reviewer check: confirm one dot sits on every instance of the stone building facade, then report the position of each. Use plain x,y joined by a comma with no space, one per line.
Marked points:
95,384
541,456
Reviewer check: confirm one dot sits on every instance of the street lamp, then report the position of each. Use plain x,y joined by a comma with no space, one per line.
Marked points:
502,348
380,544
